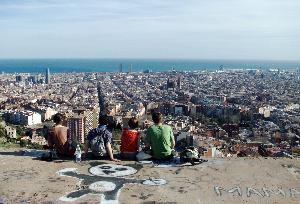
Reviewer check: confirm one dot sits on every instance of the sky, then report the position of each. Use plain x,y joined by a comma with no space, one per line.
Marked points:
179,29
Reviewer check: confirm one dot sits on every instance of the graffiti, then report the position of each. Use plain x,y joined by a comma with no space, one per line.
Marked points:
112,170
106,180
265,192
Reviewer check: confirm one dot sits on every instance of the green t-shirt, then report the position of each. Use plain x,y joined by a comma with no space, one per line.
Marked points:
160,138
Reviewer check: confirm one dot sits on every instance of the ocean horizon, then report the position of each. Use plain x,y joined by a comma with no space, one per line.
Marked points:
138,65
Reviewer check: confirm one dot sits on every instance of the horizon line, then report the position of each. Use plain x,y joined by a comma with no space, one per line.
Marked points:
149,58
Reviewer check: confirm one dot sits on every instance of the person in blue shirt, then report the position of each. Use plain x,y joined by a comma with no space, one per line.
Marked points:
99,140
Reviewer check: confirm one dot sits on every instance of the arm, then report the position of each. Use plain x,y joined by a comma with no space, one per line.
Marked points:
173,144
87,144
172,139
148,139
110,153
86,147
108,140
50,139
138,144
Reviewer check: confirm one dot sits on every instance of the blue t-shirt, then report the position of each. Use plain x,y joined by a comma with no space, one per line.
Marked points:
98,139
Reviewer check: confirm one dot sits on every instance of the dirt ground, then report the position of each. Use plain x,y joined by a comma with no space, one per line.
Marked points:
25,179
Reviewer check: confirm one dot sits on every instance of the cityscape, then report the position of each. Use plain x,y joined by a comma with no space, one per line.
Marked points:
224,113
149,102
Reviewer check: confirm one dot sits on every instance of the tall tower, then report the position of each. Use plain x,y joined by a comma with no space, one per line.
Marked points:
90,120
76,129
179,82
101,99
130,68
18,78
48,76
121,68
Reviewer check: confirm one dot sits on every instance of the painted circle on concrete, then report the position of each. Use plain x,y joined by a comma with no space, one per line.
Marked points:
112,170
102,186
155,182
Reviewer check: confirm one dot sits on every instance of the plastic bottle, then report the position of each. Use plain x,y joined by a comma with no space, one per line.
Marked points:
78,154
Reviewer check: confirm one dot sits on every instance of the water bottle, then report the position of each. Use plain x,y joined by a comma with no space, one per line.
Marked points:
78,154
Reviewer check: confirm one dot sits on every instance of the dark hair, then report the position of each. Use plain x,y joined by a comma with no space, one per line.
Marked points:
156,117
103,120
57,118
133,123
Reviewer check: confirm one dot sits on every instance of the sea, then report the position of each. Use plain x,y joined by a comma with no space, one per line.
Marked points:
136,65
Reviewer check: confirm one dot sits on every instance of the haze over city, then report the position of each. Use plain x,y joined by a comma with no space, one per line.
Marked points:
226,29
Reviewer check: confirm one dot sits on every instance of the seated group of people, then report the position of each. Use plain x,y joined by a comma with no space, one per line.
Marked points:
159,138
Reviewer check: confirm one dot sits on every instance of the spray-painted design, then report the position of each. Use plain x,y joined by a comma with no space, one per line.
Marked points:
265,192
106,180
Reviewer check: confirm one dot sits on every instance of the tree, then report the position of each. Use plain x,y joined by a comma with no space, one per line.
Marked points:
2,131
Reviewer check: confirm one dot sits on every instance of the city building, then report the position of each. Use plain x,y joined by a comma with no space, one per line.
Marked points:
26,118
121,68
48,76
19,78
11,132
76,129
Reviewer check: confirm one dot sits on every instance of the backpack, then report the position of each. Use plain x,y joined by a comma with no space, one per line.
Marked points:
190,154
97,144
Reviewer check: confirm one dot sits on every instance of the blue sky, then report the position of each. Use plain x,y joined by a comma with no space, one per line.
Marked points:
201,29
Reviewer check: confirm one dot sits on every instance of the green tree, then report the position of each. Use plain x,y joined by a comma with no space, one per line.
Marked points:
2,131
116,134
20,131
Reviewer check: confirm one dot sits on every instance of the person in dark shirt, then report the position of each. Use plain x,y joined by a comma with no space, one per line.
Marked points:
99,140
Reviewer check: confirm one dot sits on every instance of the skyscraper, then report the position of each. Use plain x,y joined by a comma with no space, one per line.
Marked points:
90,120
179,82
76,128
102,103
48,76
121,68
19,78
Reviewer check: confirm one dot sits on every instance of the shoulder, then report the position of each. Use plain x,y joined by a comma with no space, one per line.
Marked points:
107,132
152,127
93,131
58,128
129,132
167,127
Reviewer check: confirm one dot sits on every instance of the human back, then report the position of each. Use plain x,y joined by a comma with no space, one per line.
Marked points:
99,140
130,139
160,138
58,137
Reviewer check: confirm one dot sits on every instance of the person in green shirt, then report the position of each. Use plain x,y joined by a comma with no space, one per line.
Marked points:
160,138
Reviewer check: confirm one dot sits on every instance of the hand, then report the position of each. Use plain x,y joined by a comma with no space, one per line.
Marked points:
115,160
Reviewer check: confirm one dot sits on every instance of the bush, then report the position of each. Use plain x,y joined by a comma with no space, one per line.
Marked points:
24,143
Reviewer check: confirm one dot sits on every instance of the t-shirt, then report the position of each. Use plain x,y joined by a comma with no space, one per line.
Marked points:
98,139
160,138
129,141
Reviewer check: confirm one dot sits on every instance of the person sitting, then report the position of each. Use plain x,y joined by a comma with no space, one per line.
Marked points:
58,139
130,140
99,140
160,138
